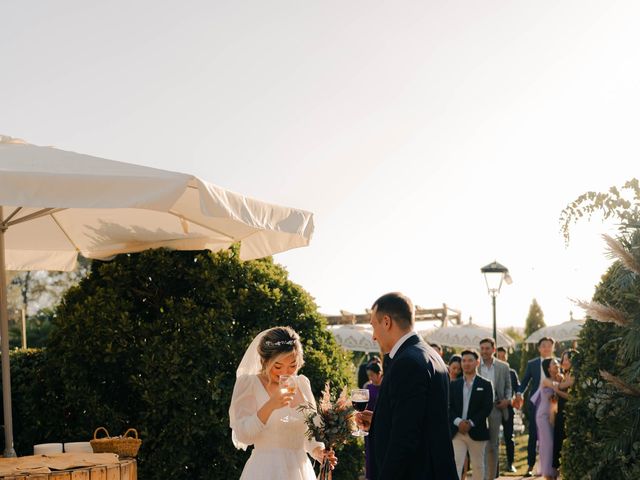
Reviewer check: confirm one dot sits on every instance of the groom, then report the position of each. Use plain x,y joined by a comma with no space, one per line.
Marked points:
410,437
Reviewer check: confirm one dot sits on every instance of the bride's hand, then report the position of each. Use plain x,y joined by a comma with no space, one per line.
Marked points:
320,454
279,399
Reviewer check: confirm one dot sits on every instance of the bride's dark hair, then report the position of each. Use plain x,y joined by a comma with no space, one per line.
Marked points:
276,342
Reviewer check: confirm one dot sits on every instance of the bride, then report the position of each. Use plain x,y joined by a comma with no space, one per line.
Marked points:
258,405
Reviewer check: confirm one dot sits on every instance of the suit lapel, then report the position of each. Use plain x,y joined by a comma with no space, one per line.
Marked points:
473,391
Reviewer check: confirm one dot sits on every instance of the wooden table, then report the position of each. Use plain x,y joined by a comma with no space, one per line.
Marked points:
127,469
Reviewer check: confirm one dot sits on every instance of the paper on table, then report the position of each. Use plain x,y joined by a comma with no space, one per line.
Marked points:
60,461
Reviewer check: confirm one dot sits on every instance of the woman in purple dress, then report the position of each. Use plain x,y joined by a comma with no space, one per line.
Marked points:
374,372
544,400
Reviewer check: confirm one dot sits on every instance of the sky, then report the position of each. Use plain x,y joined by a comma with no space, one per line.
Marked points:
428,138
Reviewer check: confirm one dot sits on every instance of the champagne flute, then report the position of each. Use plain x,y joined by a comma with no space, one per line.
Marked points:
359,400
287,384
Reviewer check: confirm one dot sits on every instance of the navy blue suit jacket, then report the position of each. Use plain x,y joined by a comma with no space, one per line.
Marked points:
531,375
480,406
515,382
409,434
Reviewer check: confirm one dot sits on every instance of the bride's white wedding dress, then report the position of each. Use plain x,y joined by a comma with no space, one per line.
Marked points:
280,449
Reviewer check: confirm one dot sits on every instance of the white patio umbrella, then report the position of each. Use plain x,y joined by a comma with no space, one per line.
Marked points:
562,332
55,204
467,336
359,337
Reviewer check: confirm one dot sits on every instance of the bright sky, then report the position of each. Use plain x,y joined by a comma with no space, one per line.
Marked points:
429,138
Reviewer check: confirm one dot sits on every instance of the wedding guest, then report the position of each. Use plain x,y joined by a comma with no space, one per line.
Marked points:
363,378
374,372
531,377
507,424
438,348
455,367
470,403
497,372
258,404
561,390
544,401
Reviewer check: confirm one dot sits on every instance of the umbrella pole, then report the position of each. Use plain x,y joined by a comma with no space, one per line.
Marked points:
4,346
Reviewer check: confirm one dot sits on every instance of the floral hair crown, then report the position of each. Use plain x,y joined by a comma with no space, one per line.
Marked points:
269,343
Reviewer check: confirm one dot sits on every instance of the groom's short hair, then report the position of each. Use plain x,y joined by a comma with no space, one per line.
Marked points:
398,306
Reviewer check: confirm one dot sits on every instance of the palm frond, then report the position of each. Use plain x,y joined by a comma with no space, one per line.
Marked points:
604,313
620,384
618,251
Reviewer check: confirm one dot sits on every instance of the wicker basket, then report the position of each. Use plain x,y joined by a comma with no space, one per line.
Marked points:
123,445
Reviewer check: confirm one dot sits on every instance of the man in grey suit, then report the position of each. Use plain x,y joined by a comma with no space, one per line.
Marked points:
497,372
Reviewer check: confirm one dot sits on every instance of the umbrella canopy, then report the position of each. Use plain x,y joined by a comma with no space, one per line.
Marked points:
55,204
359,337
82,204
563,332
467,336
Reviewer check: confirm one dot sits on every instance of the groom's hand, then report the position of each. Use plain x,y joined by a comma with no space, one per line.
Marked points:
363,419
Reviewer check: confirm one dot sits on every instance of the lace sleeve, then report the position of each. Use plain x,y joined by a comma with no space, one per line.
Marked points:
305,388
243,412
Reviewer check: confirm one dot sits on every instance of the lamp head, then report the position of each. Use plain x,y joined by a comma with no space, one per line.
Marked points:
494,275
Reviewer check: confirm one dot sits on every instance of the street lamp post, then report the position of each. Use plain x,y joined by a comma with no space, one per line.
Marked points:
494,275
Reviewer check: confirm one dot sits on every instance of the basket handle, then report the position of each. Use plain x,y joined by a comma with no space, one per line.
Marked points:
131,430
97,430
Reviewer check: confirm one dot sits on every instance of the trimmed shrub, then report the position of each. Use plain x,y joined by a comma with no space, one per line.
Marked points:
603,413
38,416
592,410
152,341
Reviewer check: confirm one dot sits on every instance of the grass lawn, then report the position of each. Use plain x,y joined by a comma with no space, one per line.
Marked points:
520,457
520,460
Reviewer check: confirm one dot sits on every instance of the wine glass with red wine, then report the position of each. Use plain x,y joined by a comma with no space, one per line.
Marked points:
359,400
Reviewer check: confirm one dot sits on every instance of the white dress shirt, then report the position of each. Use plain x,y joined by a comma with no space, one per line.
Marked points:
489,372
467,389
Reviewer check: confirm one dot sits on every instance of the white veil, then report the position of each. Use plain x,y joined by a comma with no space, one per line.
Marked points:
250,364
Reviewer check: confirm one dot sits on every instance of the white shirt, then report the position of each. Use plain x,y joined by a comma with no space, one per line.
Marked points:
467,388
489,372
399,343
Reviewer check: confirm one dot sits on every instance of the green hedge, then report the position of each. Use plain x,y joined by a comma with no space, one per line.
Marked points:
592,419
152,341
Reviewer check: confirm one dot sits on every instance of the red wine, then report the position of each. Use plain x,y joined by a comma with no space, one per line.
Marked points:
359,406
